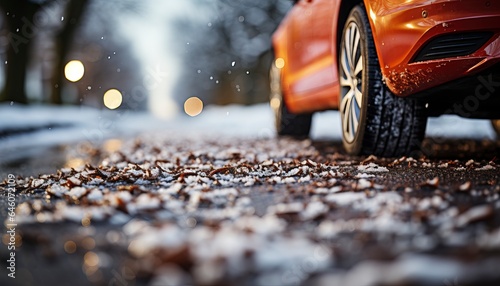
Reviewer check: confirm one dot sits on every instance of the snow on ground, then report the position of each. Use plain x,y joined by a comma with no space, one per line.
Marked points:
274,211
22,127
232,207
456,127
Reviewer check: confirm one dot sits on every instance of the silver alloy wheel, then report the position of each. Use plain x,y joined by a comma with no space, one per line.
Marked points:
351,78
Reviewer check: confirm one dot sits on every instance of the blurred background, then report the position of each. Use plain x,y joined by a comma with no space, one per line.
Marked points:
167,57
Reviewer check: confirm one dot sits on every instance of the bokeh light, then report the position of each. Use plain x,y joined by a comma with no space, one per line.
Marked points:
112,98
86,221
112,145
91,259
74,70
70,246
193,106
280,63
74,163
7,239
275,103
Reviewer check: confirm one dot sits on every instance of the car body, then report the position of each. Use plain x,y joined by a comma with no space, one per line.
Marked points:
443,53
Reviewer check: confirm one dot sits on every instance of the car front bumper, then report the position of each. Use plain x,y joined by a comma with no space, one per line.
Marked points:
402,29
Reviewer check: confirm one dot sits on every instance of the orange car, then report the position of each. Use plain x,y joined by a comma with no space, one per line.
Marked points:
386,66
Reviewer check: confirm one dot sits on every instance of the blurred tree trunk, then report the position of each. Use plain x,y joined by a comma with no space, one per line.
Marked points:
21,31
73,15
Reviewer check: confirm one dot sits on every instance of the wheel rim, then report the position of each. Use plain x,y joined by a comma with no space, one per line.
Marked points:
351,78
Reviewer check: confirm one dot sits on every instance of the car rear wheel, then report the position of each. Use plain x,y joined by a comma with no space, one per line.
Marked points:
287,123
374,120
496,126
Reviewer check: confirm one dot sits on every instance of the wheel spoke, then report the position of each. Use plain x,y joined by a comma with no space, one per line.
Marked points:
359,97
355,121
346,117
344,81
345,99
348,50
355,44
359,66
347,114
343,64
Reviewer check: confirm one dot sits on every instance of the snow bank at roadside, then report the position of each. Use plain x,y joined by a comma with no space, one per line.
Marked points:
37,125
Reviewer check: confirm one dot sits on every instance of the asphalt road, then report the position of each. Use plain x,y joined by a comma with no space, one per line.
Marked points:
177,210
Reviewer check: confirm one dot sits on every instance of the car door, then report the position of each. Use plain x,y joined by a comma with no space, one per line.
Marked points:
311,46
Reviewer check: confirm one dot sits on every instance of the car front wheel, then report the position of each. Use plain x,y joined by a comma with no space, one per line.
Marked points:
374,120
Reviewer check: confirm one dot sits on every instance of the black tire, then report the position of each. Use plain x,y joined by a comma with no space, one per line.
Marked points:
386,125
496,126
287,123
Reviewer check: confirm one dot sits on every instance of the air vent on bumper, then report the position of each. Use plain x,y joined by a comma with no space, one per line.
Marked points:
452,45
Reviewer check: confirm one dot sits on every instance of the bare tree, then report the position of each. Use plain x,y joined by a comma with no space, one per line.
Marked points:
23,26
19,18
63,40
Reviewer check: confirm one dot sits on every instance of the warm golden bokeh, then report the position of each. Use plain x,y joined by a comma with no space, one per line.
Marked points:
112,145
280,63
193,106
74,70
70,246
91,259
112,98
275,103
86,221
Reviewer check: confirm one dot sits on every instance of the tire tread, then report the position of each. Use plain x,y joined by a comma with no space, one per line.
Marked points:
395,126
